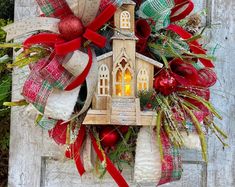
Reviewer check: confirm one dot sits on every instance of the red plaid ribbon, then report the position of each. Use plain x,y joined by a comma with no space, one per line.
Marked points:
54,8
171,164
43,77
48,74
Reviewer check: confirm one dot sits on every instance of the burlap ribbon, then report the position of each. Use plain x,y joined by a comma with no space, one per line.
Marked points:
51,73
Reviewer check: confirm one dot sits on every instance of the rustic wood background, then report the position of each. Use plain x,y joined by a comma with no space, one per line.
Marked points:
35,161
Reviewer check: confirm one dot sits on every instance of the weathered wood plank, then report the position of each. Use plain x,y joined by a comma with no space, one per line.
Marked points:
221,168
35,160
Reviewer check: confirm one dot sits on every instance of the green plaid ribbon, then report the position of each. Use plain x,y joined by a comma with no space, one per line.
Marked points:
47,124
157,10
54,8
171,164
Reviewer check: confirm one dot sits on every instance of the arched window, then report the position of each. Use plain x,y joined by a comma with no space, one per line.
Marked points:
103,84
125,20
123,79
143,80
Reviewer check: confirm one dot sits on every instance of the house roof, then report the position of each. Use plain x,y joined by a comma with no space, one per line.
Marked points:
138,55
104,56
124,36
128,2
149,60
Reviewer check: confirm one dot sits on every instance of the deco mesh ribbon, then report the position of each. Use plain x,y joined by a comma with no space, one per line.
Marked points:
158,10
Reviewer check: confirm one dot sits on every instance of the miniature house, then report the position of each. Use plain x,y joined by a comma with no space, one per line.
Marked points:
122,73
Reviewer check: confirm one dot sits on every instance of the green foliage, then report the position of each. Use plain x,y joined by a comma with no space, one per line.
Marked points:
147,100
5,76
5,87
5,92
7,9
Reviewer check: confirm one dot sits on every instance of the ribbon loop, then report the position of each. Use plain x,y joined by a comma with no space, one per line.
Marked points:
182,9
68,47
43,38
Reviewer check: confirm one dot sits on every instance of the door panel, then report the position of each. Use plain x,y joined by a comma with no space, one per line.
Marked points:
35,161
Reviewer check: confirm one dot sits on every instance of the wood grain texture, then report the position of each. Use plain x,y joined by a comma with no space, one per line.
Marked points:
36,161
221,167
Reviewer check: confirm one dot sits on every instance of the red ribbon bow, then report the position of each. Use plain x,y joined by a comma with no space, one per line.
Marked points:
51,73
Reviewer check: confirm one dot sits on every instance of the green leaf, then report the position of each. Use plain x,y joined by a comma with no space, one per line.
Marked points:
5,87
158,126
199,131
206,103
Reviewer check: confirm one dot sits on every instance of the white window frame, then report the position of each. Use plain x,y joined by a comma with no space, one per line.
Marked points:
142,78
117,66
103,81
125,20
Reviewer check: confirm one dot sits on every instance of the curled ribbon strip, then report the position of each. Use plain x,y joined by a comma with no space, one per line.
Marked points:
74,150
194,45
182,9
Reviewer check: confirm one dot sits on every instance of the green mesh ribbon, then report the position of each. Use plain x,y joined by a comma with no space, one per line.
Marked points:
157,10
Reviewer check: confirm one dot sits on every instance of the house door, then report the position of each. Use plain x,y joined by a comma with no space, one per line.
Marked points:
35,161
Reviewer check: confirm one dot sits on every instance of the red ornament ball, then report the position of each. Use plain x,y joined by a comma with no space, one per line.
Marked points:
124,129
109,137
71,27
165,83
149,105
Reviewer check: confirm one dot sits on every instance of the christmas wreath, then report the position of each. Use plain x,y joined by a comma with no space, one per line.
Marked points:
127,80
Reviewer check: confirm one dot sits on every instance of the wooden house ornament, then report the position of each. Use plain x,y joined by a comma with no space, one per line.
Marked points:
122,73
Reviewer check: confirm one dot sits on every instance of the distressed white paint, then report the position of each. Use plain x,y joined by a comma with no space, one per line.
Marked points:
35,161
221,167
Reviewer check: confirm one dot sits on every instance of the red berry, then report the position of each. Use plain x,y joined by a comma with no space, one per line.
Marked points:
149,105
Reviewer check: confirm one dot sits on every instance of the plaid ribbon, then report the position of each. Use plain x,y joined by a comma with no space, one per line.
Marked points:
43,77
171,164
157,10
47,74
54,8
47,123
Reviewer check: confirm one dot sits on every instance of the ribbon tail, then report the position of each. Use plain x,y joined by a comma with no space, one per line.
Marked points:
102,18
194,45
109,165
74,151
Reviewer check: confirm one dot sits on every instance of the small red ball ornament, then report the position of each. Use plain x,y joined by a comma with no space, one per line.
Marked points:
165,83
109,137
124,129
71,27
149,106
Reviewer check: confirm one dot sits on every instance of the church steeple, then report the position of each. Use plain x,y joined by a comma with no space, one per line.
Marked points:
124,18
124,45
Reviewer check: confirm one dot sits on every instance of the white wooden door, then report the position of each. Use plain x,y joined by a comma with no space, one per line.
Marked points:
35,161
